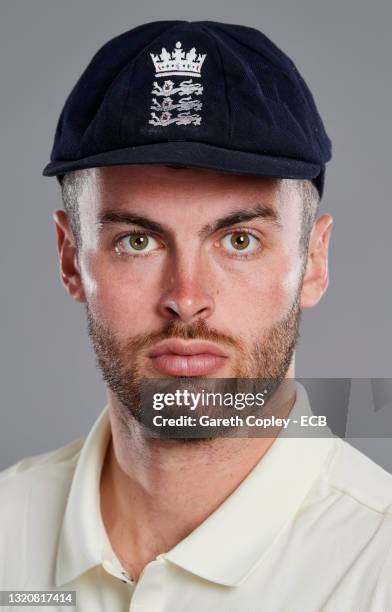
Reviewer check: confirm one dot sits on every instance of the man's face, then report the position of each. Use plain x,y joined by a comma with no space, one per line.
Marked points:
172,257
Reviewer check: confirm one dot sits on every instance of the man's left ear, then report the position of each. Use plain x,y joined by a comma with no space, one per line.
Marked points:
316,276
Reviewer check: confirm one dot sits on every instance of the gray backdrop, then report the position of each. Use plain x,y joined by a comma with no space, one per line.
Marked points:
51,390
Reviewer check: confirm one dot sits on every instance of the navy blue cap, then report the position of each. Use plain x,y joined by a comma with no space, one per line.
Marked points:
200,94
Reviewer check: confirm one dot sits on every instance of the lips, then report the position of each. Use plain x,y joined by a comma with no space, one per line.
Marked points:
175,358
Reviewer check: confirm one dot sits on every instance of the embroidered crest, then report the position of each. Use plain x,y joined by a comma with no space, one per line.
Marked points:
176,104
185,87
178,62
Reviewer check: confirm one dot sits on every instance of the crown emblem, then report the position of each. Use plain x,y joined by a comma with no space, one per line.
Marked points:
178,62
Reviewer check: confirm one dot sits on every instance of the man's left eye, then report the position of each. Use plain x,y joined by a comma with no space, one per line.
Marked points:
240,242
136,243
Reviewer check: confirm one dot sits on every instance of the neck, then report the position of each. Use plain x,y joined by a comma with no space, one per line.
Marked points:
154,492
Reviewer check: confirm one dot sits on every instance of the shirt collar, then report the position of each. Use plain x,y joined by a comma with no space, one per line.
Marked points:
83,541
247,523
252,517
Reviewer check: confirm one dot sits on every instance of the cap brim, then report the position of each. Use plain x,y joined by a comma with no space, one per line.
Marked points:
194,154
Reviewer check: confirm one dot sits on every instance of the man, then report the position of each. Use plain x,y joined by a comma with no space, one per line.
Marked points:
191,159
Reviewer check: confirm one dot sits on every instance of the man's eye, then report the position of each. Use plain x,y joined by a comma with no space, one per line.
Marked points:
240,242
136,243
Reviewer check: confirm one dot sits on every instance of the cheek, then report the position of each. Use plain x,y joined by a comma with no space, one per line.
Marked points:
117,296
262,294
283,284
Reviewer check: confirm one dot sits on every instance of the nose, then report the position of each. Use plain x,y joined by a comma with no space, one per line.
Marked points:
186,294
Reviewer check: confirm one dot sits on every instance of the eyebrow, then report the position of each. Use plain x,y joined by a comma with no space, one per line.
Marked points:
112,217
259,211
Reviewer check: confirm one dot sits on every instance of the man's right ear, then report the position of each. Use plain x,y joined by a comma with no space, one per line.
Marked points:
66,248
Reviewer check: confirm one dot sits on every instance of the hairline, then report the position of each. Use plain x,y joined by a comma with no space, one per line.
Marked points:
72,183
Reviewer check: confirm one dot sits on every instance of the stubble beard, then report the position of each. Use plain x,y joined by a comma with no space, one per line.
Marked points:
125,368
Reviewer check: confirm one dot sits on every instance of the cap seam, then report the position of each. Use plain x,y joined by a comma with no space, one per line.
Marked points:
283,70
99,107
271,61
228,103
273,70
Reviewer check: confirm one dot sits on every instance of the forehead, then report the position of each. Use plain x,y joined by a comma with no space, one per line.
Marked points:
183,194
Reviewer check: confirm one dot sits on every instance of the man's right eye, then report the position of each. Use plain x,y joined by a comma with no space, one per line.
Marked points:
136,243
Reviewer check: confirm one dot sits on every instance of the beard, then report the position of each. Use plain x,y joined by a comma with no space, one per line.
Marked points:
125,367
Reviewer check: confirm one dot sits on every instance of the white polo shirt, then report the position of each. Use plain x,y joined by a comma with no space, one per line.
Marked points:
309,529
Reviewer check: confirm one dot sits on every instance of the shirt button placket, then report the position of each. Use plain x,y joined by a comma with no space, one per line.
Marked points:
149,595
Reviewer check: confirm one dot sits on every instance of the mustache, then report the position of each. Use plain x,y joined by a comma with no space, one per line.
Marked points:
198,330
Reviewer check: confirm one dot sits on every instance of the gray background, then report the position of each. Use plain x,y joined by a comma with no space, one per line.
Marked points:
51,390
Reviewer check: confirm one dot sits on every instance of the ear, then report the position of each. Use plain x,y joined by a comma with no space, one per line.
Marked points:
66,248
316,275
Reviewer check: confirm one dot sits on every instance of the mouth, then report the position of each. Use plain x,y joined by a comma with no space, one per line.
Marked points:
176,358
